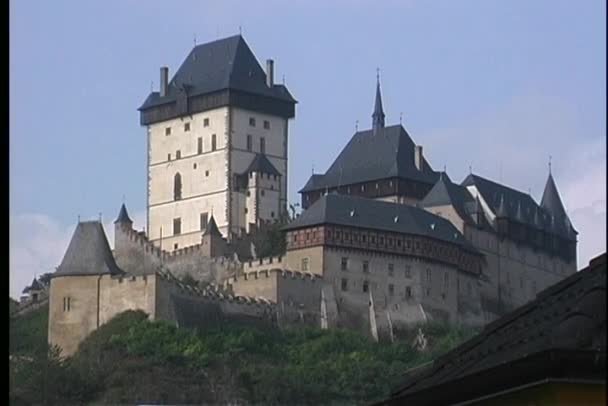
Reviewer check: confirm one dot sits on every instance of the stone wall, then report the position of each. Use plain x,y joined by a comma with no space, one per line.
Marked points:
136,255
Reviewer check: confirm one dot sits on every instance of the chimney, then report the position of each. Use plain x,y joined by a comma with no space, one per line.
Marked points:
269,72
164,80
418,157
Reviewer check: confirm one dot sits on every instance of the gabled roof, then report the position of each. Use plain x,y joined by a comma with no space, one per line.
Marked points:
212,228
445,192
367,157
378,215
123,216
568,317
88,253
261,164
516,205
227,63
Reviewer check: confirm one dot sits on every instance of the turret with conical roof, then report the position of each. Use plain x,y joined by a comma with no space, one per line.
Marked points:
378,115
552,202
212,241
123,216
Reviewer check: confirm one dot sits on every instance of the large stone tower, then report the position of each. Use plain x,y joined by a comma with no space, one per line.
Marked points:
217,145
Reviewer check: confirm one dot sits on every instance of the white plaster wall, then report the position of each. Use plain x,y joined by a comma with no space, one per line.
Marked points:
204,180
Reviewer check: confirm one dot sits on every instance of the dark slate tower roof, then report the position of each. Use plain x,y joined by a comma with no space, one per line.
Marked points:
212,228
389,153
261,164
88,253
378,115
551,200
225,64
123,216
378,215
34,286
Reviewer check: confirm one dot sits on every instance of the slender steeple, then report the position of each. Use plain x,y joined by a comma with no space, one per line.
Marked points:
551,200
378,116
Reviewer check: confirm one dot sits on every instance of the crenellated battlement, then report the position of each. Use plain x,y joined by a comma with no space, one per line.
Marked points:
261,263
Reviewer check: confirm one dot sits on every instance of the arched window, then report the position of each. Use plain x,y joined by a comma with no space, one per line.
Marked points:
177,187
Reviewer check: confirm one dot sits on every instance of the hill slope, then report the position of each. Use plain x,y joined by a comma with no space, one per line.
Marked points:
131,360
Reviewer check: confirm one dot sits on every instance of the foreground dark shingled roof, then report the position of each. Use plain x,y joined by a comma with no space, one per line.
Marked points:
88,253
227,63
387,154
261,164
373,214
569,316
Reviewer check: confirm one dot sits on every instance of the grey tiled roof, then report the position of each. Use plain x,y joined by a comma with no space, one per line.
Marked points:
227,63
261,164
568,316
378,215
493,193
367,157
88,253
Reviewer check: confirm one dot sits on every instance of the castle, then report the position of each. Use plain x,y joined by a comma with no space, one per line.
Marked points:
384,240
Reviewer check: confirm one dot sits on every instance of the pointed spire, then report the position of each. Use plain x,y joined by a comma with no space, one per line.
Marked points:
123,216
212,228
378,115
551,200
502,210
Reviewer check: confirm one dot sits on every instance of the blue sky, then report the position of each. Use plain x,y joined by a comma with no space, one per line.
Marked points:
495,85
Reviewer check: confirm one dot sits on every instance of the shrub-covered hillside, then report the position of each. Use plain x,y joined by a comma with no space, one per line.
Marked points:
132,360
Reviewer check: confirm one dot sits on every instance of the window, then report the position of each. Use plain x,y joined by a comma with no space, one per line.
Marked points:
428,275
246,211
262,145
168,131
249,142
194,166
175,246
262,192
391,290
204,220
446,280
381,240
178,154
177,187
305,264
366,266
408,292
213,142
344,284
272,214
206,122
344,264
252,121
66,304
391,269
266,125
206,173
248,193
186,127
365,286
177,226
199,146
469,288
408,271
168,156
